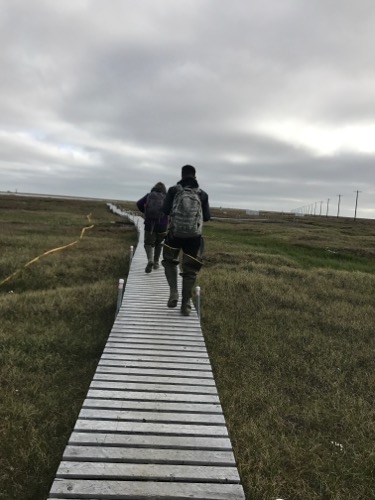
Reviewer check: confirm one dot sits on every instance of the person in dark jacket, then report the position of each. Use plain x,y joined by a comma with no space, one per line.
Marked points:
191,247
155,228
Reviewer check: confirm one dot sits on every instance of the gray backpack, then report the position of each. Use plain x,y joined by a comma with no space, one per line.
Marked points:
186,217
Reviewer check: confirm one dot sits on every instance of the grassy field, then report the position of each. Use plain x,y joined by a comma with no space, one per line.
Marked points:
288,313
56,315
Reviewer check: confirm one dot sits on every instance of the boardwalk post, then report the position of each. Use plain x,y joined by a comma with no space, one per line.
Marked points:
119,294
198,295
131,253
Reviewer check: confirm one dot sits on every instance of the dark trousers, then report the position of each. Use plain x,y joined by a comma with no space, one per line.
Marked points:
153,238
192,253
190,246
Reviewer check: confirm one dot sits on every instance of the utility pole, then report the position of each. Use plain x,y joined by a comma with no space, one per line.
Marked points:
356,204
338,205
320,211
327,207
315,208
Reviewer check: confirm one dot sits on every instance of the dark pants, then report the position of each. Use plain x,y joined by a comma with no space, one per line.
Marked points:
154,233
153,238
190,246
192,253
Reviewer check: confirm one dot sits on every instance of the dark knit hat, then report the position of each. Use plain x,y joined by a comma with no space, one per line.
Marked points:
188,171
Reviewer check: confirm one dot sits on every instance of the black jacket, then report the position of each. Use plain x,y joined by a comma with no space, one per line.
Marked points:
191,182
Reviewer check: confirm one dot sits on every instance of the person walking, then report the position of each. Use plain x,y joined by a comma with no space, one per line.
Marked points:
187,206
156,223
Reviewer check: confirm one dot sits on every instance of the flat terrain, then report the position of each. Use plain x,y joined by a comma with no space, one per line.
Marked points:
56,315
288,311
288,314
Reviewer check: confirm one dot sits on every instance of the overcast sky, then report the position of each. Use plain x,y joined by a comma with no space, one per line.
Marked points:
273,101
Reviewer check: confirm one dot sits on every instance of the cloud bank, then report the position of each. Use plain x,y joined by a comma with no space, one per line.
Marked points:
273,102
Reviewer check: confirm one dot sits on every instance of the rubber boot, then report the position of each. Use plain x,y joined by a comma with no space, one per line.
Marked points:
190,269
170,263
157,254
150,258
187,289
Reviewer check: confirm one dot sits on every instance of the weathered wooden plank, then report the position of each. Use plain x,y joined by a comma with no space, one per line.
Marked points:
155,346
137,271
151,472
153,396
131,490
151,311
157,406
152,341
166,384
173,388
151,428
120,335
133,356
174,320
167,359
135,362
150,441
159,372
137,288
147,455
125,330
156,277
154,379
152,304
132,292
156,316
156,313
135,312
150,417
157,353
157,333
152,308
177,349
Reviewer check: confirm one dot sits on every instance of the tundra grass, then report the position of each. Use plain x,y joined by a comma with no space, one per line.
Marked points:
290,334
288,315
56,315
311,242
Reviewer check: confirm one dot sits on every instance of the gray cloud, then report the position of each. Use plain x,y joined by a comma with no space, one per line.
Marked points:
272,101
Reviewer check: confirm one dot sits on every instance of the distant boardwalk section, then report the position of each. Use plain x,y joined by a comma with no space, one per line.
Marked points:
151,426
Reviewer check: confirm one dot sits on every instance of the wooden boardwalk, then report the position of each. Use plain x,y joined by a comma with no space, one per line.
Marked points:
151,426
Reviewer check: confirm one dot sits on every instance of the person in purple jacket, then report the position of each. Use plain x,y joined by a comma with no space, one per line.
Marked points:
156,224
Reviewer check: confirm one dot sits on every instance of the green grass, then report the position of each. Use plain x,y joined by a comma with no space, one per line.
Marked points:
326,244
56,315
290,335
288,314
